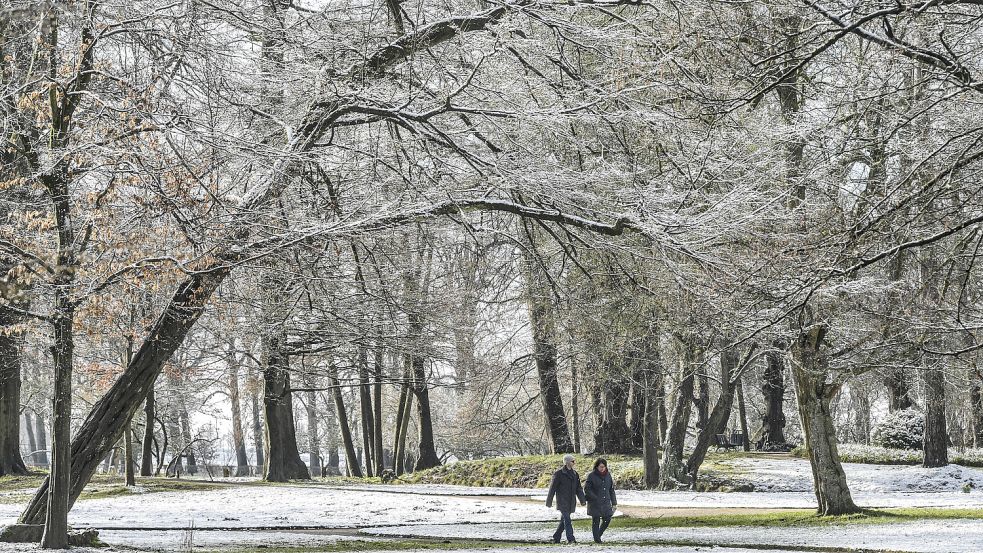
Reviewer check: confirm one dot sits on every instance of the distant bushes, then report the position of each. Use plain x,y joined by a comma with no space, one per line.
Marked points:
903,429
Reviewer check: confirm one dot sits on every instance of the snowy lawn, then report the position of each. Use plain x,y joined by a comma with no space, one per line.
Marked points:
953,536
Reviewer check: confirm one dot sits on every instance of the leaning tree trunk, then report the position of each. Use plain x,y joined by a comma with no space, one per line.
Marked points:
402,423
936,442
717,419
283,460
351,457
11,462
810,371
673,472
702,399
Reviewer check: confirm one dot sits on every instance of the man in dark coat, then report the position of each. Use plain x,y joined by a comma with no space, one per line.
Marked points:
567,490
601,500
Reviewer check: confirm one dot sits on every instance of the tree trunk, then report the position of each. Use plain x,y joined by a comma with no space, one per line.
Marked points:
899,390
717,420
976,403
313,444
428,452
575,404
772,432
238,435
613,433
186,436
149,411
379,454
351,457
41,432
402,426
672,471
365,404
331,438
283,462
936,441
128,456
11,462
813,394
742,413
59,491
259,440
31,442
702,399
652,382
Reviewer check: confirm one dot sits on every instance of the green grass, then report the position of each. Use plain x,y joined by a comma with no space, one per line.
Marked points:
535,471
794,518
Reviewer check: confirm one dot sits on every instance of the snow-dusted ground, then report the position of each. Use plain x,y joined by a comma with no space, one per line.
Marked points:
286,506
935,536
251,515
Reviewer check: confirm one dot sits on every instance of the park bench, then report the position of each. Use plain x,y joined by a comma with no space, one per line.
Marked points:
736,439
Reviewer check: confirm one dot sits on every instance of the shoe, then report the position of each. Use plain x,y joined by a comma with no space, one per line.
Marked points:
556,540
597,540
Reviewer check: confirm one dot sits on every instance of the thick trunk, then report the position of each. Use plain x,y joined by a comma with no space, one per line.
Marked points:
772,432
59,492
331,438
238,435
813,394
365,405
613,433
283,462
673,472
936,441
11,462
104,424
652,378
428,452
351,457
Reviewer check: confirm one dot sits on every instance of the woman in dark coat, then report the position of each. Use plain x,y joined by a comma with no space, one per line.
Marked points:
601,500
567,490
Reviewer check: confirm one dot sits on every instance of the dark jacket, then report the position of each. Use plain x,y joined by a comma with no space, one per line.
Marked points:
567,489
600,494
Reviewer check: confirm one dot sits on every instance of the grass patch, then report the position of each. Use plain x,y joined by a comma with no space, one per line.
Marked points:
794,519
535,471
380,545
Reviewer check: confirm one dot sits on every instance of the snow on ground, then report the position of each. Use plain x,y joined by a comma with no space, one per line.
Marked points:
286,506
795,475
952,536
182,540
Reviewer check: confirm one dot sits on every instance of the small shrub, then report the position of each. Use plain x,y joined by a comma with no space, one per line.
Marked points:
900,430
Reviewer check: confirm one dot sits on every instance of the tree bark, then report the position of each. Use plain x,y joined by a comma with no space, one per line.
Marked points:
428,452
351,457
149,411
41,433
238,435
283,462
31,442
11,462
772,432
259,440
380,458
402,424
810,371
365,404
742,413
672,472
575,404
313,443
128,456
936,440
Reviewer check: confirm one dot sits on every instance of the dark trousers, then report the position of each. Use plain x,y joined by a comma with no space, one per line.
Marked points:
565,524
598,525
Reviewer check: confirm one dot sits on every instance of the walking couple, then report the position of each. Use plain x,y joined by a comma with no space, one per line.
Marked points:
597,493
